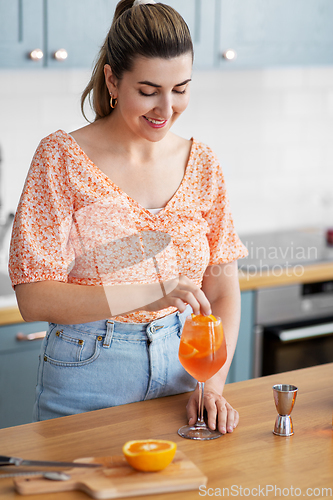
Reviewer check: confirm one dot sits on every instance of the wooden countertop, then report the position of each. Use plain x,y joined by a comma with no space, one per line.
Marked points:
249,458
290,276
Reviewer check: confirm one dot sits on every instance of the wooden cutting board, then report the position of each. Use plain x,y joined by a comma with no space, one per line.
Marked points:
117,479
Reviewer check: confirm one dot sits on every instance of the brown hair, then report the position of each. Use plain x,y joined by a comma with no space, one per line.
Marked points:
149,30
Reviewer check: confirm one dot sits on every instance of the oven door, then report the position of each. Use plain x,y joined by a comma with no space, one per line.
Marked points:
297,345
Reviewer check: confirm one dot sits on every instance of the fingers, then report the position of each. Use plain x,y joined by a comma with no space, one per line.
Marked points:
220,413
180,292
192,409
188,293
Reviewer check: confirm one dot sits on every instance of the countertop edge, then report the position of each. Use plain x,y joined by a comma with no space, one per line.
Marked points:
10,315
288,276
247,281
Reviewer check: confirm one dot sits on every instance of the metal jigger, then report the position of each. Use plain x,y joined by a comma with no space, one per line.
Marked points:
284,398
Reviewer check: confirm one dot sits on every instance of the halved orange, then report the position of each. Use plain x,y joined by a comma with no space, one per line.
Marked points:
149,454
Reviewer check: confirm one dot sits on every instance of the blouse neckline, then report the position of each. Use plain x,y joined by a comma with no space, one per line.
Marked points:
103,176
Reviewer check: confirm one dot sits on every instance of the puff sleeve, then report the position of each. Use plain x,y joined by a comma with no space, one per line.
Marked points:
39,247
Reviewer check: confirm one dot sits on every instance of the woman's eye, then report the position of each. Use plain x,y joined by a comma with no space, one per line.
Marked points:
147,95
180,91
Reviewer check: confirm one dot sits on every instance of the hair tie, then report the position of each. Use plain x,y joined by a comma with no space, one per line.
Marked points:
142,2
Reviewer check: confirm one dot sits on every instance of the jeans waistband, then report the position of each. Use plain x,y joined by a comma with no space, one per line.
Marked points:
100,327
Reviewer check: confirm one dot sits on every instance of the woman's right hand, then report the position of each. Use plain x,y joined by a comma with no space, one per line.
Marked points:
180,292
68,303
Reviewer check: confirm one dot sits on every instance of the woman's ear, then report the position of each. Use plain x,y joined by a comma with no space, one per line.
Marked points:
110,81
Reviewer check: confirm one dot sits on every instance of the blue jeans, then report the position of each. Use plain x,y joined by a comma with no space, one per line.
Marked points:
106,363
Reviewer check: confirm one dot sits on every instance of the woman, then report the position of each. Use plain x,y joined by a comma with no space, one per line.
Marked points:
123,229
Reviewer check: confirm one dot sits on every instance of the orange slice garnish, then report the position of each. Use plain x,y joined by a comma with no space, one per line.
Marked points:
200,345
199,318
187,350
149,454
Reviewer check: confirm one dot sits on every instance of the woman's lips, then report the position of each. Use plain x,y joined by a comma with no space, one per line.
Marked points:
155,123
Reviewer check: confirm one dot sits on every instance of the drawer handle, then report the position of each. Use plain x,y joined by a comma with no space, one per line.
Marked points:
60,55
229,55
30,336
36,55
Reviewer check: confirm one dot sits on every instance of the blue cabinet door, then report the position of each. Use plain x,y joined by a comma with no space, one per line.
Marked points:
79,27
276,32
21,32
242,363
18,373
200,18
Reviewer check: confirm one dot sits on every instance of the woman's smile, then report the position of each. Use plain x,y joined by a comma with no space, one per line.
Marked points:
153,122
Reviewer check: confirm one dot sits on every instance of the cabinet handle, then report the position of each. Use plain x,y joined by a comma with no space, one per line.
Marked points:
36,55
30,336
60,55
229,55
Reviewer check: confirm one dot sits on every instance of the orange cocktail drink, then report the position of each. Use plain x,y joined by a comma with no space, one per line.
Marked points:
202,352
202,349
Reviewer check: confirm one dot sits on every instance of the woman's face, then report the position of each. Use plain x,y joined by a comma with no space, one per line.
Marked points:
151,96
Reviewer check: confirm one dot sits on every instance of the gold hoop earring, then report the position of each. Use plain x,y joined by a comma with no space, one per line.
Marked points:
113,101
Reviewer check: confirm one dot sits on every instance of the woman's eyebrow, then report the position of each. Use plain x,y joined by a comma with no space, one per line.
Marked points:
151,84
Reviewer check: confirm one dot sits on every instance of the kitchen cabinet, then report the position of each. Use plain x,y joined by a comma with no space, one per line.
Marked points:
261,32
200,18
241,367
54,27
39,33
21,31
18,373
275,32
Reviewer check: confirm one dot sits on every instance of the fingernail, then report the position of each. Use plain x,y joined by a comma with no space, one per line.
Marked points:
223,430
230,429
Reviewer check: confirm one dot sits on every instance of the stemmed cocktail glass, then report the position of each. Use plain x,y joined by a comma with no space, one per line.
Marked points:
202,352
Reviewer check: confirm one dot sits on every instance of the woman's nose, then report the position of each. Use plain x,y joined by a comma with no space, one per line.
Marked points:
165,107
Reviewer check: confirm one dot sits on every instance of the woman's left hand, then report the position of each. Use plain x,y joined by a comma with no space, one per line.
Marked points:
219,411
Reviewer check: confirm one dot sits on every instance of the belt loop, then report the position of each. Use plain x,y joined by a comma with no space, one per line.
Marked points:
109,334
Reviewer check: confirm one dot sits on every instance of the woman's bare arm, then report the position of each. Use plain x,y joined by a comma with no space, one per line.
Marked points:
67,303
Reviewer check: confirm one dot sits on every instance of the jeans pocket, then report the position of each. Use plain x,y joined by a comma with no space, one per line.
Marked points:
68,347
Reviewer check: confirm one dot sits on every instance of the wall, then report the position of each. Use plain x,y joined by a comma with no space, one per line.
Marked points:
271,129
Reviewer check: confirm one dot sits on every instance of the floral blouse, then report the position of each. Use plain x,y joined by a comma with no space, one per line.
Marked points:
74,225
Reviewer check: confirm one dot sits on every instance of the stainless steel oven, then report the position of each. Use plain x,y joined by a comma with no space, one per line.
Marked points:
294,327
294,323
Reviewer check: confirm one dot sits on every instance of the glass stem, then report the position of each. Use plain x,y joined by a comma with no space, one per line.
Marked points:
200,421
